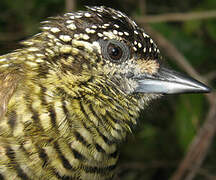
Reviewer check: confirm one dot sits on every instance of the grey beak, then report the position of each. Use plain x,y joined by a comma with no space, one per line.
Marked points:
169,82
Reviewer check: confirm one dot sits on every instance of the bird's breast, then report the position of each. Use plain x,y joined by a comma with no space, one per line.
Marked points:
46,135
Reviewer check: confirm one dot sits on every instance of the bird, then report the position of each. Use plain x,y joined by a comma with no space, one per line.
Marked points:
71,95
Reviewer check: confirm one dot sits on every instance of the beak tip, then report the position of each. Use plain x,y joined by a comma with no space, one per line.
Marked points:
205,89
198,87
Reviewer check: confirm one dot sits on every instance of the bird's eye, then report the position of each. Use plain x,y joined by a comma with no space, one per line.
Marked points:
115,51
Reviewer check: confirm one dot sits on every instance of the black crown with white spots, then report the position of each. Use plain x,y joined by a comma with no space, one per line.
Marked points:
103,23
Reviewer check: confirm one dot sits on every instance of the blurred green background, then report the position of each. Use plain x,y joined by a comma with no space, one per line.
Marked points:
168,125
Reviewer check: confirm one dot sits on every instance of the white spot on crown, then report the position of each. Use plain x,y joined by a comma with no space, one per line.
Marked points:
150,49
134,23
115,32
76,36
99,15
78,16
139,45
120,33
69,21
45,22
72,26
65,38
144,50
136,32
88,30
87,15
58,44
46,28
100,34
88,46
99,10
51,36
135,49
109,34
94,26
69,14
126,33
116,25
55,30
93,9
85,36
145,35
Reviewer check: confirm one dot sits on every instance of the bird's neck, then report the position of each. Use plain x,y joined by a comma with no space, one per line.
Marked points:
93,112
88,128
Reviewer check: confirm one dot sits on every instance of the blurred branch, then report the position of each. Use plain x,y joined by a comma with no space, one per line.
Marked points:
70,5
211,76
207,174
142,4
200,144
15,36
176,17
139,166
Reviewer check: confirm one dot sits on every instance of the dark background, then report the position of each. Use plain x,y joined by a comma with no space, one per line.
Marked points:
169,125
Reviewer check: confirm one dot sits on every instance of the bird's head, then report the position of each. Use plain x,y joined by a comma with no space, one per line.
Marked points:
103,46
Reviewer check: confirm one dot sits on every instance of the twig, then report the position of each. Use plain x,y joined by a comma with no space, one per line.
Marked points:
211,76
70,5
176,17
142,4
206,174
7,37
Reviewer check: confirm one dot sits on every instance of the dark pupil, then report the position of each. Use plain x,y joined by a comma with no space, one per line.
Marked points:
114,51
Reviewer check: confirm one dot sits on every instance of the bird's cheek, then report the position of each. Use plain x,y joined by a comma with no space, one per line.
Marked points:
148,66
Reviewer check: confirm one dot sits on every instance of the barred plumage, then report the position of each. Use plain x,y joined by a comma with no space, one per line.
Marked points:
72,93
